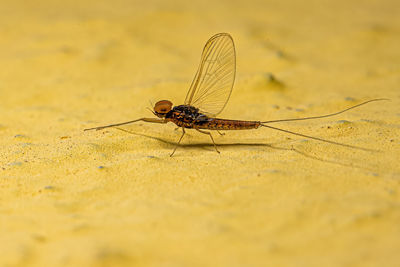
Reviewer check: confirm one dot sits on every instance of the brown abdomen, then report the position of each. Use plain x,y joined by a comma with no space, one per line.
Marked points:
221,124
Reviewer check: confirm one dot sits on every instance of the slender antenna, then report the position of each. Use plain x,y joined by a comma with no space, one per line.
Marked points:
151,111
151,108
328,115
318,139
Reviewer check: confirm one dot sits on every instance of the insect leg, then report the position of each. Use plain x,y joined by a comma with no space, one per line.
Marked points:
220,133
212,139
153,120
180,139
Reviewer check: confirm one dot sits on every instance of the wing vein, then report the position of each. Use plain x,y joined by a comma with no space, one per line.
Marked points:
212,85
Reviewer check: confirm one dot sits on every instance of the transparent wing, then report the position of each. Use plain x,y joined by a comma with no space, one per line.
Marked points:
213,82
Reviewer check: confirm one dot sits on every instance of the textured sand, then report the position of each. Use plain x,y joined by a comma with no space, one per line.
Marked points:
110,198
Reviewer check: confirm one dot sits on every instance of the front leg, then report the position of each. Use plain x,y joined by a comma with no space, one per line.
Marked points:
152,120
180,139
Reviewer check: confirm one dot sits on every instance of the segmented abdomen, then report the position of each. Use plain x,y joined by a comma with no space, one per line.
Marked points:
221,124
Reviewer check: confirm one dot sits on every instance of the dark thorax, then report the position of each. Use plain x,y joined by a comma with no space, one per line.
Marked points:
186,116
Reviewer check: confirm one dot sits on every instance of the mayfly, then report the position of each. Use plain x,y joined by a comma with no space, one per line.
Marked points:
208,95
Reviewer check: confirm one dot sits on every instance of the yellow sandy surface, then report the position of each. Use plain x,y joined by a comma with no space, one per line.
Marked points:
112,198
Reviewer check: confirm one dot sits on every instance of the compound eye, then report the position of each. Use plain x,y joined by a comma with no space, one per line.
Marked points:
163,106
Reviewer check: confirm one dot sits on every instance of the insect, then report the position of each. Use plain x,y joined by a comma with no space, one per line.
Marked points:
208,95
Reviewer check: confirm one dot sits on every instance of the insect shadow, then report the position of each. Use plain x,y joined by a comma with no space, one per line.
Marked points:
257,144
200,145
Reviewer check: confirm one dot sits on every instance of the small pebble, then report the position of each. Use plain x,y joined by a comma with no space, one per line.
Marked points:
273,80
280,54
275,106
270,77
